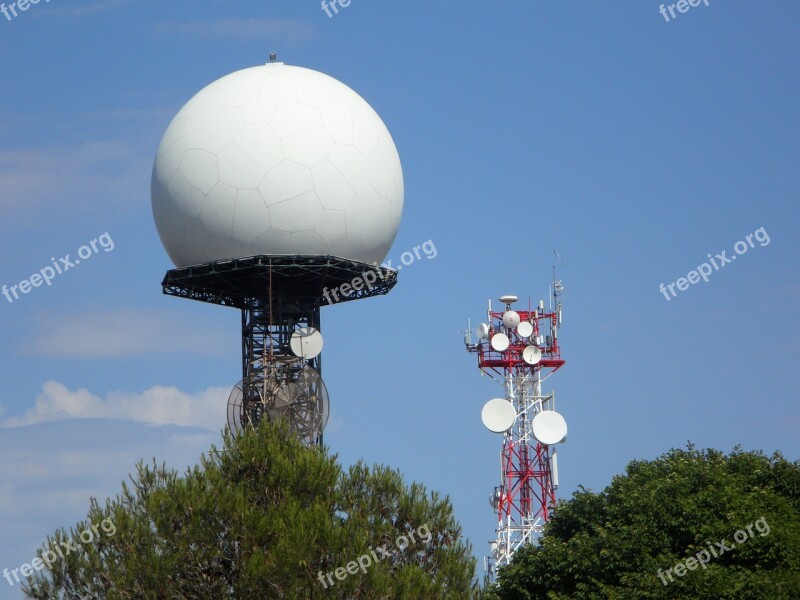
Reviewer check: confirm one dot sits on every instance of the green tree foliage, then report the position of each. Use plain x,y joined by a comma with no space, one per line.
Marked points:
265,517
661,513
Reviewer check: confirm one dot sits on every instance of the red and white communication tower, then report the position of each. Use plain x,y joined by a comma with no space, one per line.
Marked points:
520,350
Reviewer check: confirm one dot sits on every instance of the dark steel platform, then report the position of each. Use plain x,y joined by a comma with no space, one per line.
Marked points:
304,279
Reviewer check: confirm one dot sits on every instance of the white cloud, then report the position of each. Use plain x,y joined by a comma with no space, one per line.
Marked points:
148,116
98,334
48,473
158,405
71,173
88,8
270,30
102,162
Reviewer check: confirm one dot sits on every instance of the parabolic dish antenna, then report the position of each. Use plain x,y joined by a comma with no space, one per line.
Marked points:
532,355
306,343
500,342
525,329
549,427
498,415
482,331
511,319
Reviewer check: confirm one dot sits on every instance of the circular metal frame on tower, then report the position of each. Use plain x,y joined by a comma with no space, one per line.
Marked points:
292,391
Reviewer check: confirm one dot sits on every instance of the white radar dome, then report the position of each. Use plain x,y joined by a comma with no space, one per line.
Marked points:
277,159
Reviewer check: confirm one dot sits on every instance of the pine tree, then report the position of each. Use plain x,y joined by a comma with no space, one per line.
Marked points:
264,517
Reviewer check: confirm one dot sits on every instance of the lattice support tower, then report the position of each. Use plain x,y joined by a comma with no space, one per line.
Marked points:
520,350
279,296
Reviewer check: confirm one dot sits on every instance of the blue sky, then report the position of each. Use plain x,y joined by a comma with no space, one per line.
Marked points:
632,145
